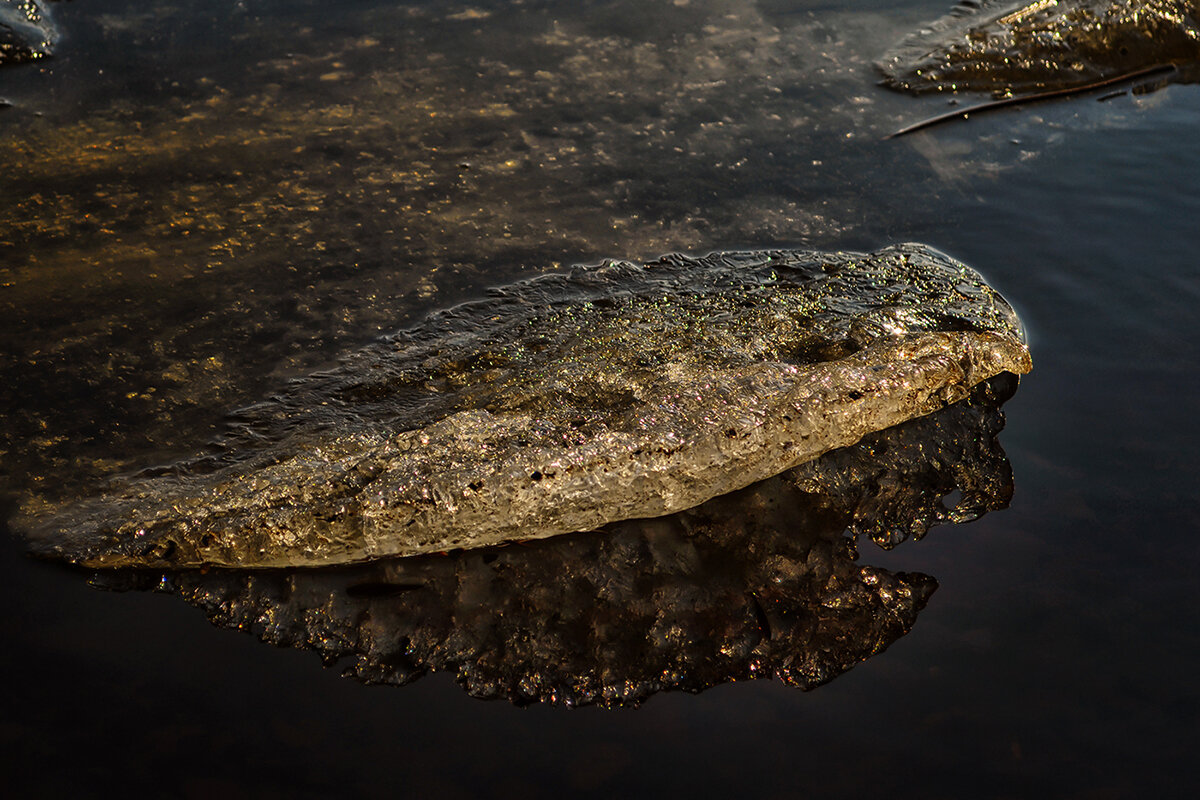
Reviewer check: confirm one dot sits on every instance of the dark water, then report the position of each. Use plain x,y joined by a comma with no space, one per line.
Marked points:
201,199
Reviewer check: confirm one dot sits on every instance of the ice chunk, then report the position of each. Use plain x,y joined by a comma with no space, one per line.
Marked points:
562,403
1007,47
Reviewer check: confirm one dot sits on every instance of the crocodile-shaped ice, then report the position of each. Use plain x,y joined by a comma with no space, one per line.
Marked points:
562,403
1009,48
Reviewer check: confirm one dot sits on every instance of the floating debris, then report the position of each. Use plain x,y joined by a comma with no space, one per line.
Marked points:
1037,97
560,404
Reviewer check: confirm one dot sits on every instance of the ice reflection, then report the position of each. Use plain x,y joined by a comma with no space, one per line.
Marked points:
763,583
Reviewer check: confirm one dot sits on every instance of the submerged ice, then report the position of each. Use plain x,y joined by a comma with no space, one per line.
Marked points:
560,404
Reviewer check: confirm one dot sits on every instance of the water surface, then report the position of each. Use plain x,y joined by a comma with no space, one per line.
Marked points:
200,200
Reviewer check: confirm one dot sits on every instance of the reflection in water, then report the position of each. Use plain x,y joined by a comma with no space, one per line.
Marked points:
760,583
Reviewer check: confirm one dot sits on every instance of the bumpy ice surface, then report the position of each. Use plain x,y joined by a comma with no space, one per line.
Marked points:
1009,48
560,404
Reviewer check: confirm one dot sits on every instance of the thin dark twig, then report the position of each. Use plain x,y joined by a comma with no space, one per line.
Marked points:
1032,98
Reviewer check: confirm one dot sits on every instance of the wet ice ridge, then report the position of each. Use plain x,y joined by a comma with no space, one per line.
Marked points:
561,404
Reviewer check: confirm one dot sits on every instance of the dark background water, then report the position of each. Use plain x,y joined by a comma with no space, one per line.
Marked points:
1057,658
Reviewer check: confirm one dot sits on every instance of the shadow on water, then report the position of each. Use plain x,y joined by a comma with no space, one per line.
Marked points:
763,583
